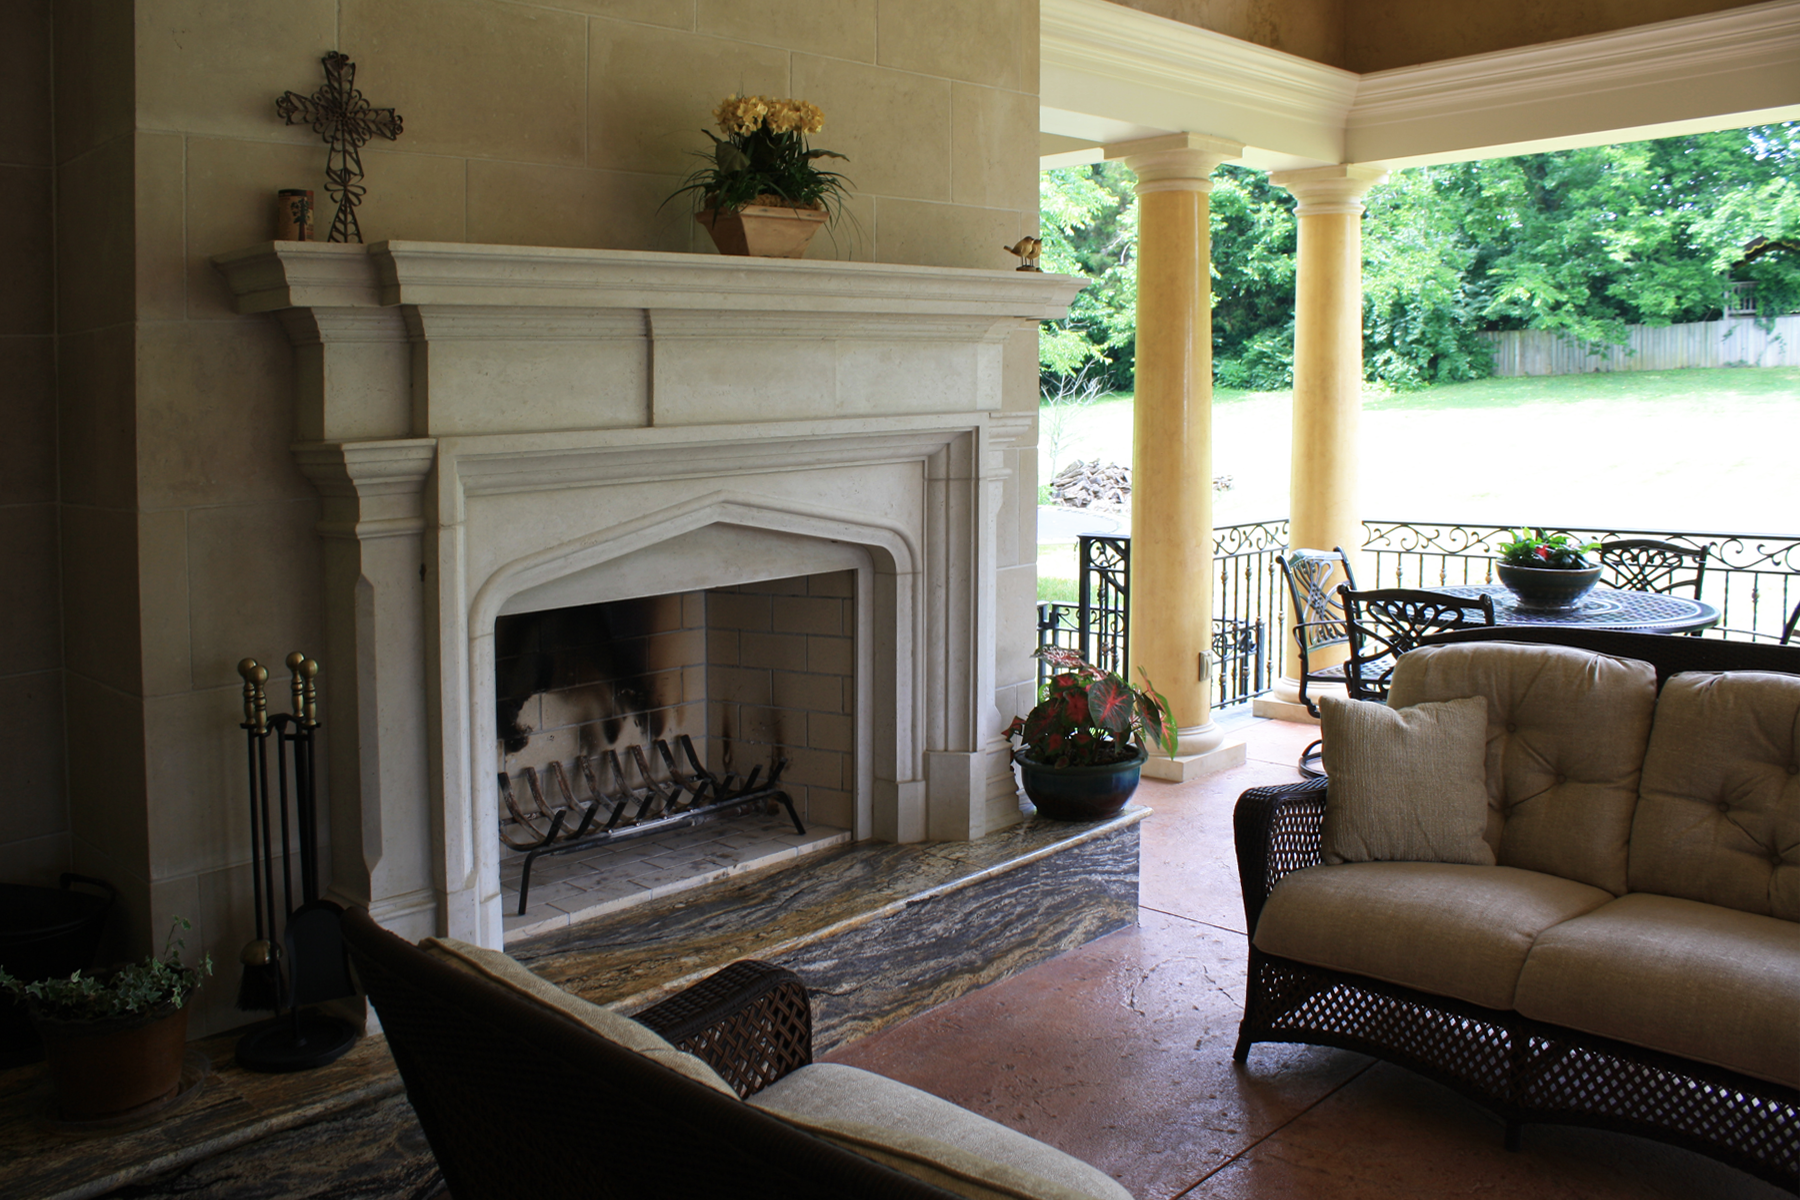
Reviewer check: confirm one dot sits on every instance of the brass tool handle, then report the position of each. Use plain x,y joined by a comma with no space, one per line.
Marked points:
256,703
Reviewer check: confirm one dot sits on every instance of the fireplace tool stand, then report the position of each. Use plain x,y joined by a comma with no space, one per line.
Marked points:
682,800
300,962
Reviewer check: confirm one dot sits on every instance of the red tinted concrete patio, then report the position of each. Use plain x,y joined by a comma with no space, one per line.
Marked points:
1120,1052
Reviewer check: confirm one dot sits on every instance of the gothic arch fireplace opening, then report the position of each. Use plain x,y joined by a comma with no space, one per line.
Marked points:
658,743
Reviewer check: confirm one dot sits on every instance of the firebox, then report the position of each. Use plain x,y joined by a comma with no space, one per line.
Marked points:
652,744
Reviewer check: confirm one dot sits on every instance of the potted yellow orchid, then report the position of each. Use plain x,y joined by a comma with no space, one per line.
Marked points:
761,192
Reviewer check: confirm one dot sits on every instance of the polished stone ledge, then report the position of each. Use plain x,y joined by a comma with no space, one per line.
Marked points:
877,931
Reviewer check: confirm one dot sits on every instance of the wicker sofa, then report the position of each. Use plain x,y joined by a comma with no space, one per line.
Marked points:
1630,960
525,1090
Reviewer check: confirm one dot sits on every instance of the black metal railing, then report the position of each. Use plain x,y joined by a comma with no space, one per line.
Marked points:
1753,580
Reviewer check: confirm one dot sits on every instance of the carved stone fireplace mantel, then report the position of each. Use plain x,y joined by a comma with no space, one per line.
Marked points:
499,430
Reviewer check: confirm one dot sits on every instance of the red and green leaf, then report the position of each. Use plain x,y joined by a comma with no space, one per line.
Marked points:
1109,703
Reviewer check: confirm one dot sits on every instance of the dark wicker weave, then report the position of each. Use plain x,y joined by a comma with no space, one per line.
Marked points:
521,1102
1523,1070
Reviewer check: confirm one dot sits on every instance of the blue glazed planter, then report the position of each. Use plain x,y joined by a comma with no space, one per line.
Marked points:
1547,588
1080,793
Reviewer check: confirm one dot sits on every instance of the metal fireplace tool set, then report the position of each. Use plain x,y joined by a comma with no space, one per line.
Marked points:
297,958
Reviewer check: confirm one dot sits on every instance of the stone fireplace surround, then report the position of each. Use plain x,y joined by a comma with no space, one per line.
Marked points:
499,430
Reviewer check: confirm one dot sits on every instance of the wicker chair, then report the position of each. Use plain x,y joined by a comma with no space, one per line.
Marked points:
1385,624
518,1101
1646,565
1318,624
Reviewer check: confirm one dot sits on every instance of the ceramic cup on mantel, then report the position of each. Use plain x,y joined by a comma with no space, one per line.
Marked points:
294,215
1547,589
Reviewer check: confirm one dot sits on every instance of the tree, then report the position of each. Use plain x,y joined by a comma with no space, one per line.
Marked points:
1253,243
1421,316
1088,222
1584,243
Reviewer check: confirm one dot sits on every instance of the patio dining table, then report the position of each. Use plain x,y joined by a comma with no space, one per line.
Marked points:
1602,608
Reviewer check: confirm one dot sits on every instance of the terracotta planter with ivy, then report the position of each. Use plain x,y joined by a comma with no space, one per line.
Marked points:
106,1071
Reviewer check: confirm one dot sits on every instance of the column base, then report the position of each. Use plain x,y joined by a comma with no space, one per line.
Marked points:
1282,703
1196,766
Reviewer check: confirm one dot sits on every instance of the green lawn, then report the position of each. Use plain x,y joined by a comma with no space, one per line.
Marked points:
1706,450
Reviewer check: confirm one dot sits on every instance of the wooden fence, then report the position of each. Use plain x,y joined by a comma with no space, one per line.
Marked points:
1732,342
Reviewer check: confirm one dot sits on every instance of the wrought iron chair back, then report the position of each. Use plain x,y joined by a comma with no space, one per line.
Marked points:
1792,627
1311,577
1647,565
1386,623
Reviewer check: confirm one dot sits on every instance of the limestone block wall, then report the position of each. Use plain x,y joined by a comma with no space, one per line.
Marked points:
187,530
34,825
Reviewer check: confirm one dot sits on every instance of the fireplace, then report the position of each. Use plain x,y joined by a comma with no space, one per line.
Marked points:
504,431
652,744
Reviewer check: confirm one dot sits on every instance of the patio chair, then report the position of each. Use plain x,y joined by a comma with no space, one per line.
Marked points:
1386,623
1647,565
1318,624
1792,626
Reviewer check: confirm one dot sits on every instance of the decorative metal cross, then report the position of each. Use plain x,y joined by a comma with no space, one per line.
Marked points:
342,116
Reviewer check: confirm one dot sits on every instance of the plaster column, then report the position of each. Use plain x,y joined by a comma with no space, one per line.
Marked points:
1171,471
1324,507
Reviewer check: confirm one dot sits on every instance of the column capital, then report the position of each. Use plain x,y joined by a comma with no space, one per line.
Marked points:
1338,189
372,489
1176,162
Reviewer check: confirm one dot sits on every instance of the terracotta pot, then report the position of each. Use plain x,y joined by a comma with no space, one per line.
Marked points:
1547,588
1080,793
107,1070
762,231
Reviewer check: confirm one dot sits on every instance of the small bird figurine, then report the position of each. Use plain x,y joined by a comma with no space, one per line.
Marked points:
1027,249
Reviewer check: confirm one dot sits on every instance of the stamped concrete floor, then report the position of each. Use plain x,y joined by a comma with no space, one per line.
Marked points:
1120,1053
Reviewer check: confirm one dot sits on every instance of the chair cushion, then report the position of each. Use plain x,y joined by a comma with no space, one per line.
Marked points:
1718,815
1444,928
1407,784
1566,735
1698,980
929,1138
498,968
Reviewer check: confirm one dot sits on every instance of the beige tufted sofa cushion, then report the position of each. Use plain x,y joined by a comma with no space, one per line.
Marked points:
1565,744
1719,815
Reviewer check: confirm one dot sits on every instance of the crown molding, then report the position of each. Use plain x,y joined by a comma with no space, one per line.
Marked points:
1624,83
1154,74
1110,73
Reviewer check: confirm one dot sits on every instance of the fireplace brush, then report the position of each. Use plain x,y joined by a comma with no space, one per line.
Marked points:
297,956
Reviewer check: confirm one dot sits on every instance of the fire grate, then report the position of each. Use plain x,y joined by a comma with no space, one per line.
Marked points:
683,799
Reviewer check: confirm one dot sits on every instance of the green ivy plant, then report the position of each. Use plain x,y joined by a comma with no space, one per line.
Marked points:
154,987
1556,551
1092,717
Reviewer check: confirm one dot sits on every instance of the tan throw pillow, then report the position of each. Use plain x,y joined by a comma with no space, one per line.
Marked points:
1407,784
496,967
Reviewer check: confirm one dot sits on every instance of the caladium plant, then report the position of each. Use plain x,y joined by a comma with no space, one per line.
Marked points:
1090,717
